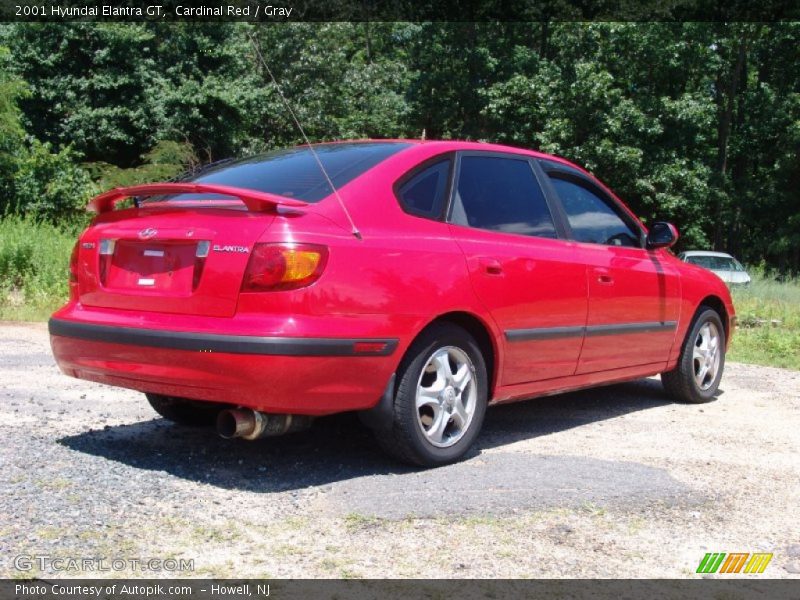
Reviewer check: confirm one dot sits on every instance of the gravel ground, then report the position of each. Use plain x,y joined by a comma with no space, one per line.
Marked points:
611,482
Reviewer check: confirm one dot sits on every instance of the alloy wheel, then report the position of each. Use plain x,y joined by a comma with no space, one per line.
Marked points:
446,396
706,356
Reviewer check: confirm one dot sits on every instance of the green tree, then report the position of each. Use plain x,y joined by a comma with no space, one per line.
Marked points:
50,184
342,80
12,88
91,86
698,123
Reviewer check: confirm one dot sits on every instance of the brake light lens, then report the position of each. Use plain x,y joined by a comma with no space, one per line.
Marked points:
73,264
279,267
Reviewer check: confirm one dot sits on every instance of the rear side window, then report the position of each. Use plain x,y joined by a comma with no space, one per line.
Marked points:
294,172
592,220
501,194
424,193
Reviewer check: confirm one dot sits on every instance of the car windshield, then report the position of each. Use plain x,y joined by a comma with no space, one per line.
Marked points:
294,172
715,263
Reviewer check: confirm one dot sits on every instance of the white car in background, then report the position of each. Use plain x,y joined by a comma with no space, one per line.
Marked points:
724,265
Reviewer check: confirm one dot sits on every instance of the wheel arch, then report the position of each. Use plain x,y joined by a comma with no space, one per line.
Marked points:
680,379
484,336
379,417
716,303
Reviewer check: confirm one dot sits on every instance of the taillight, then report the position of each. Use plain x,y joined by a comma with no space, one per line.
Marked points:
278,267
73,264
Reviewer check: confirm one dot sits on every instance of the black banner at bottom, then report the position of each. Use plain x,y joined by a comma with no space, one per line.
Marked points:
733,588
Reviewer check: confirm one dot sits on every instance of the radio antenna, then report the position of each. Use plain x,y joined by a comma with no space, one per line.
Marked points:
263,62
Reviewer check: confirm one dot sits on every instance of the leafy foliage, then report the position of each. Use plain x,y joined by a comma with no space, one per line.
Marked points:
697,123
165,161
50,184
12,89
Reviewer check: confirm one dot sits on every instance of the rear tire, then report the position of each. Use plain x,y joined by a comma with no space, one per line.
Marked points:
440,400
696,377
183,411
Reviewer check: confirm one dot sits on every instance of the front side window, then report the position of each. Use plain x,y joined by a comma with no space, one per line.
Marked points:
501,194
592,220
424,193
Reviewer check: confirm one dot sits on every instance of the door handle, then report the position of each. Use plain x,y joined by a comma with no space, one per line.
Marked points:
491,266
603,276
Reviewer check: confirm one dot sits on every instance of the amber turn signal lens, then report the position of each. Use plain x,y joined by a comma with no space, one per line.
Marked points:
300,264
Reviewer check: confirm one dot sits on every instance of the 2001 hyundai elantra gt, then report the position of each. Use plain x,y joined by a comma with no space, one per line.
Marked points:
415,282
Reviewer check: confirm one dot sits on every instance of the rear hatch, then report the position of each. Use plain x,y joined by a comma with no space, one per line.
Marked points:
169,260
185,249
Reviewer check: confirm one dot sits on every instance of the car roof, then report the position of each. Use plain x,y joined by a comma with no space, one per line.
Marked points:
453,145
706,253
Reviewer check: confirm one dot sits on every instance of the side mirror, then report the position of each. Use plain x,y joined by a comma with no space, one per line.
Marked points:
661,235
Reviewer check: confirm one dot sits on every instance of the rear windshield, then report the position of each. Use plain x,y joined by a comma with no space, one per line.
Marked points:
294,172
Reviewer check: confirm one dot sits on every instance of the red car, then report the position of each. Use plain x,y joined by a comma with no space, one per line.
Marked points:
431,280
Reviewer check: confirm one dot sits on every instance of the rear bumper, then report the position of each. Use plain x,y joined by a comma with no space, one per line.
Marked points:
279,374
231,344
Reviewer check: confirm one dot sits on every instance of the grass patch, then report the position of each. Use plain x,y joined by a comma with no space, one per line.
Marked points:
34,268
776,345
354,522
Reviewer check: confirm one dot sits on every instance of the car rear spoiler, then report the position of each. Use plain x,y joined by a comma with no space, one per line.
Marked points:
254,200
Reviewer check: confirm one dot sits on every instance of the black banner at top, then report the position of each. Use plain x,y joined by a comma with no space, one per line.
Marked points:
281,11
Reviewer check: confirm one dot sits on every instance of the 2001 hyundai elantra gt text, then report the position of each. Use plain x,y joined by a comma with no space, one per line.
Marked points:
415,282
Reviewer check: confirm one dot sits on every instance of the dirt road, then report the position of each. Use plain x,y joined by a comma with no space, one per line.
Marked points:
613,482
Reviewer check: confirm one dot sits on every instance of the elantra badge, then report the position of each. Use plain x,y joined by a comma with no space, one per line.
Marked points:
243,249
146,234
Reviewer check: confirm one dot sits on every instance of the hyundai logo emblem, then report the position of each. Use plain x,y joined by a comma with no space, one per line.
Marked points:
148,233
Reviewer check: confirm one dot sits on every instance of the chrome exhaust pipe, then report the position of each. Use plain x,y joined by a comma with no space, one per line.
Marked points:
238,422
251,424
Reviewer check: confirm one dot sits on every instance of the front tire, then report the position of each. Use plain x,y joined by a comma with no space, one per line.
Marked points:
696,377
183,411
440,400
